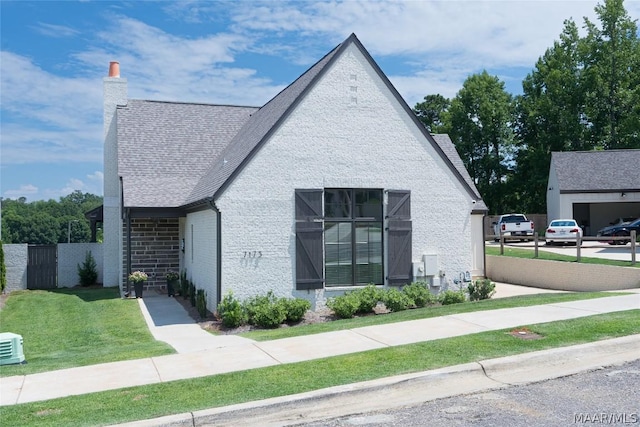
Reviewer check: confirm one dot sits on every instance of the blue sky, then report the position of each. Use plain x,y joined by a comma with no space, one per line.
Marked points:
56,53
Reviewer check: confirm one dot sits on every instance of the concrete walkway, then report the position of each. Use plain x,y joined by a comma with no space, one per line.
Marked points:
201,354
168,321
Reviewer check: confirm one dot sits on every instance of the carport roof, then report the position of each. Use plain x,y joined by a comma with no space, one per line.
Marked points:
597,171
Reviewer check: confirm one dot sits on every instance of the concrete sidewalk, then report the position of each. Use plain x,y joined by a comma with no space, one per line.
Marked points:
220,354
410,389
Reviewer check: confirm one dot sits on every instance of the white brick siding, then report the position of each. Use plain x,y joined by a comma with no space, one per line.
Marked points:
350,132
200,259
115,93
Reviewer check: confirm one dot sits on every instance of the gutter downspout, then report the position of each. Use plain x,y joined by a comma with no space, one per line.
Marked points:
128,217
484,248
212,205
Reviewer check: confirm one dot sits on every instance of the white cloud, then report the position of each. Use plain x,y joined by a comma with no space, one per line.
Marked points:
439,43
92,185
197,69
23,191
52,30
425,47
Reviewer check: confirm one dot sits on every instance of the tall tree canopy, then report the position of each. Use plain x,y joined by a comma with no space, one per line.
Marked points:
611,60
48,222
479,119
432,112
550,117
582,94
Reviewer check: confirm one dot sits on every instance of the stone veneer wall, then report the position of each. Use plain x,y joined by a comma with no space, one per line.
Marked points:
155,249
15,260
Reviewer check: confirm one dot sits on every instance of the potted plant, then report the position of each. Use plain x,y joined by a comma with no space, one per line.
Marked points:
138,278
172,281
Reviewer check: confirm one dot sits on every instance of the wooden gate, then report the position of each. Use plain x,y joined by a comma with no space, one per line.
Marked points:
42,267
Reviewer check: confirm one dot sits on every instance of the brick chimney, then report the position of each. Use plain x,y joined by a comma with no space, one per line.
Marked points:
115,94
114,69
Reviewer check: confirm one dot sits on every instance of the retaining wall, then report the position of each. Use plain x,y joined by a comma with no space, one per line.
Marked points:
565,276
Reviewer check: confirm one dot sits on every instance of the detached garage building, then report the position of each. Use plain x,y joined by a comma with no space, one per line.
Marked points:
594,187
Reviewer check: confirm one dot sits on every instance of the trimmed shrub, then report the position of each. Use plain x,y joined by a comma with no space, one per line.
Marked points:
344,306
452,297
184,284
231,311
368,297
192,293
419,294
201,303
253,304
88,272
266,311
269,315
481,289
295,308
395,300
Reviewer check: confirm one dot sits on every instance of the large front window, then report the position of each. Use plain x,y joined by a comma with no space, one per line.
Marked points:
353,237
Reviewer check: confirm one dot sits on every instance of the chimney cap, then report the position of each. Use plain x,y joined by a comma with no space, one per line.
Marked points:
114,69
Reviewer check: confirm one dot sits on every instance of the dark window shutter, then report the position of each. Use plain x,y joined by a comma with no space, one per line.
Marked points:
309,229
399,237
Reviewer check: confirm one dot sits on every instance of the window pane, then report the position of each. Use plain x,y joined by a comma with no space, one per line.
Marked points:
368,253
338,253
337,203
368,204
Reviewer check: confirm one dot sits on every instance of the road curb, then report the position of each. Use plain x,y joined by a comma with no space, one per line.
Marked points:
411,389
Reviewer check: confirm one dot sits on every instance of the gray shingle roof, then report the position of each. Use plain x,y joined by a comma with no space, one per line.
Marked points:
597,171
164,148
257,130
178,154
449,149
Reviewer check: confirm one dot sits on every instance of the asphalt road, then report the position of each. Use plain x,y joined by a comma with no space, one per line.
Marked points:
608,396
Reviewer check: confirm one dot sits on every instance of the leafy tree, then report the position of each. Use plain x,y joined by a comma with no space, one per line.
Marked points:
612,77
88,271
48,222
583,94
432,112
480,118
550,117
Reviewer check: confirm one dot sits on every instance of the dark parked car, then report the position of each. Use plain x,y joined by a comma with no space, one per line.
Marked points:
622,220
622,229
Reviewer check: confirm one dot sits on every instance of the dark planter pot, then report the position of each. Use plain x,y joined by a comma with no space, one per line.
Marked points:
171,287
138,288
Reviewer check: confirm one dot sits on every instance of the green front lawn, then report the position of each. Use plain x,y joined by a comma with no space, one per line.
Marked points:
65,328
79,327
552,256
182,396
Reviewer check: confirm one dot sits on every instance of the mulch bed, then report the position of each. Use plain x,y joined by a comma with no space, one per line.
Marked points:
213,324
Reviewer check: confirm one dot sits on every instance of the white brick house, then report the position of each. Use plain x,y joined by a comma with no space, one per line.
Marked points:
332,184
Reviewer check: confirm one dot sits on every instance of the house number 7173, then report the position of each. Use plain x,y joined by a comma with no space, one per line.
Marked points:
252,254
